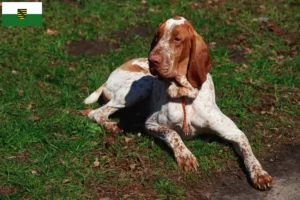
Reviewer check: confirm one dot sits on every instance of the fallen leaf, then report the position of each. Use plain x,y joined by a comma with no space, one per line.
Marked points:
265,112
58,135
85,112
263,19
62,161
252,109
122,175
73,137
14,72
20,92
96,163
34,118
40,83
222,1
133,175
112,164
23,155
276,29
83,89
132,166
241,37
127,140
247,50
71,69
76,19
30,105
193,6
280,57
33,172
66,181
94,143
51,31
212,45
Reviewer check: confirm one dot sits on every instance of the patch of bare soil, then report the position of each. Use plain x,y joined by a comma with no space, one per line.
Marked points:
96,47
283,166
5,190
142,31
237,56
89,47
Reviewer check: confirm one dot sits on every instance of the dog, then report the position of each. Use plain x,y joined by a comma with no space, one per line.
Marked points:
175,79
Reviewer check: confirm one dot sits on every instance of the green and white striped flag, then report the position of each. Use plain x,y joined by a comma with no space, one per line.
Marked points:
21,13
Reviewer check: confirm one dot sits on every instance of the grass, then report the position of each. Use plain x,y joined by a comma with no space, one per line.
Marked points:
48,149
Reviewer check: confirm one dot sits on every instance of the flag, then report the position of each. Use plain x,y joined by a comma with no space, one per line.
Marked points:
21,13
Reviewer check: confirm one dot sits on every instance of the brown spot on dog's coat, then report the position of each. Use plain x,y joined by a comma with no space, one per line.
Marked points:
133,68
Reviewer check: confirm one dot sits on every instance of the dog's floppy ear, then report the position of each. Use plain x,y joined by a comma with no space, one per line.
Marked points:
199,62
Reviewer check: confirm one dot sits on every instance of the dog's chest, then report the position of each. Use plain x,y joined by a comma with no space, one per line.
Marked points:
171,112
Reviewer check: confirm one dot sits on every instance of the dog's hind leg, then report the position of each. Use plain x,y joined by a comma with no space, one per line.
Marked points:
101,116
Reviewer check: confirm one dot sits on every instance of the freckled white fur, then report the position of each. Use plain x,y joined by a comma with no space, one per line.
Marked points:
142,62
173,22
164,41
125,87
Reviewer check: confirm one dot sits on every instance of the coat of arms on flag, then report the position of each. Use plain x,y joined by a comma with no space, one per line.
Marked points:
21,13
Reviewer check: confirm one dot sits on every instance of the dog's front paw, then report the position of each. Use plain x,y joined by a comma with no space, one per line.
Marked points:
262,180
178,92
112,127
173,91
186,161
188,92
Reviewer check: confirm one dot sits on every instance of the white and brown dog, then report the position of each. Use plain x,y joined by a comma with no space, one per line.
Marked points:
175,78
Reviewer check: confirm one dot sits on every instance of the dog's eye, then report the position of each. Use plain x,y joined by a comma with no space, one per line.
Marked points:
177,38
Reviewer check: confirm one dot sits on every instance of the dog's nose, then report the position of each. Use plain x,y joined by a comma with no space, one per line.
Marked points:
155,59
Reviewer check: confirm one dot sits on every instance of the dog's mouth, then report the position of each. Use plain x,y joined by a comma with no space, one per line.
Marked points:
160,71
153,72
153,68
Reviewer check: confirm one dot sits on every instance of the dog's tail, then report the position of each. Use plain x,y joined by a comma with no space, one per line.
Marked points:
95,95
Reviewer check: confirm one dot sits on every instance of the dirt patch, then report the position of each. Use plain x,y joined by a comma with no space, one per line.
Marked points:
95,47
237,56
283,166
89,47
142,31
5,190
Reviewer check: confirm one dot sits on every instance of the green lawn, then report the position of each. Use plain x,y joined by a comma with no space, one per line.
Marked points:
49,150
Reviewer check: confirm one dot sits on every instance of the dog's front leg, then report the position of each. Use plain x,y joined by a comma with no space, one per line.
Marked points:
184,158
226,129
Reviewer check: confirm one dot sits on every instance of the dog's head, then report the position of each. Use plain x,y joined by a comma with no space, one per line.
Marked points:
177,49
